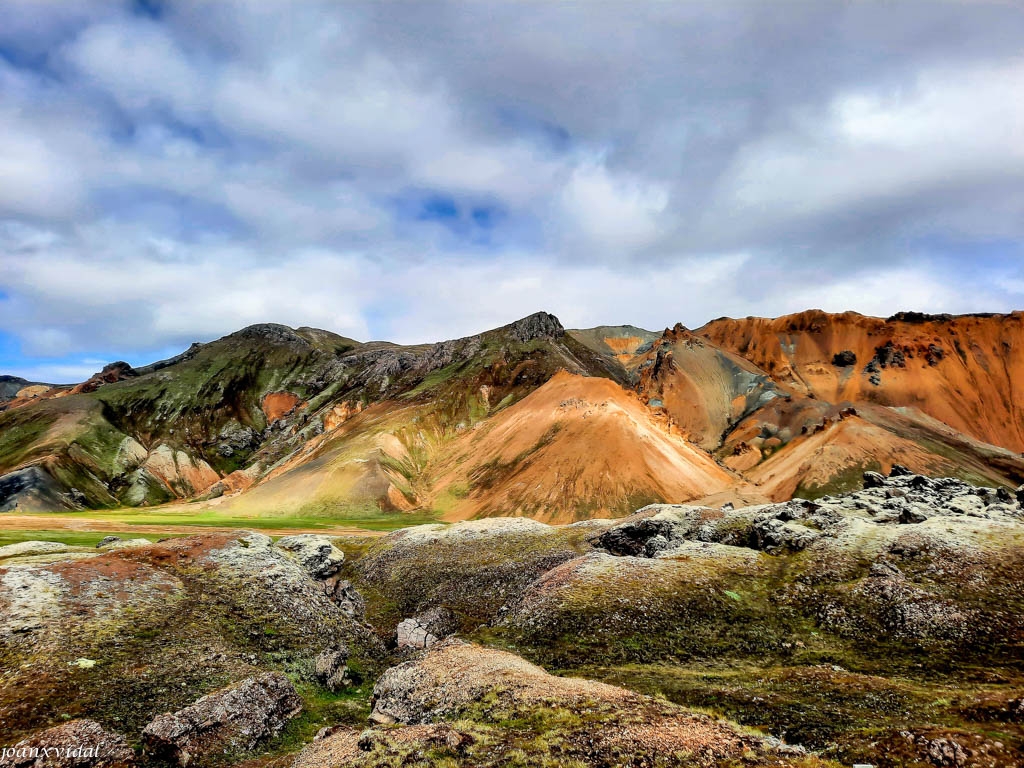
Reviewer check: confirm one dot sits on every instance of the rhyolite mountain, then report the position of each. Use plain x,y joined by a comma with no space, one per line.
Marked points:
529,419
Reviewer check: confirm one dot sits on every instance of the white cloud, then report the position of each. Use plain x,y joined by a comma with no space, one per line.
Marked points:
139,64
615,214
869,146
166,180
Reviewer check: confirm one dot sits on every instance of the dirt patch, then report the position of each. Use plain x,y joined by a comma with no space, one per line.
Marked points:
277,405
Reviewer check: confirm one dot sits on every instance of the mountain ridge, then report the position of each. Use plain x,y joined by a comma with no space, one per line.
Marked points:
303,420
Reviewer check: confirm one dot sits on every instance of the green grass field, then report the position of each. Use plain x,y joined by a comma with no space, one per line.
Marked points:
67,527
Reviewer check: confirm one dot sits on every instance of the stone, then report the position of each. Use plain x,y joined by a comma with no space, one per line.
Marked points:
26,548
942,752
898,470
108,540
775,534
346,597
331,670
882,569
313,552
411,635
654,545
845,358
77,744
873,480
232,719
910,516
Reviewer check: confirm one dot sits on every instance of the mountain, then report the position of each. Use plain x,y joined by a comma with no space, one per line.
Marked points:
966,371
528,419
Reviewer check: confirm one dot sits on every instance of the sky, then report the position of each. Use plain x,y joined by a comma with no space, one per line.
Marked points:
173,171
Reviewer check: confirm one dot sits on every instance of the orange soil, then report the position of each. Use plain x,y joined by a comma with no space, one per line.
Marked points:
576,448
697,386
976,386
341,413
624,347
279,404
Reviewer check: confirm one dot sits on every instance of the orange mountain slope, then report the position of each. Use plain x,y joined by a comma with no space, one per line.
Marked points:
705,390
966,371
575,448
528,419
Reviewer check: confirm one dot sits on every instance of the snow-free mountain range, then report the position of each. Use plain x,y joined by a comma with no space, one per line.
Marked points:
527,420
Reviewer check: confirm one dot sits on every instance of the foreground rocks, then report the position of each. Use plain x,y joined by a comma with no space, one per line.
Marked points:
881,626
122,634
78,744
232,720
454,679
460,704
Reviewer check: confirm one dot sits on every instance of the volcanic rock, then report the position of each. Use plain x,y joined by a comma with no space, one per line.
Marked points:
232,719
314,553
77,744
331,670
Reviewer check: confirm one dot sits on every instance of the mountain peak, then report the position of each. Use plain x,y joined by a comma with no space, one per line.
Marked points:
275,333
536,326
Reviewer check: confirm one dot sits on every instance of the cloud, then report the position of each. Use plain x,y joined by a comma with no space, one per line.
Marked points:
955,133
172,176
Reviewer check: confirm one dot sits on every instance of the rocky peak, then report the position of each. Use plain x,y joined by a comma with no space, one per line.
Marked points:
536,326
274,333
117,371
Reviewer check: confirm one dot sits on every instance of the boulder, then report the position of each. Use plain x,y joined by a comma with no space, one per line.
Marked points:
873,480
774,534
27,548
845,358
314,553
451,677
78,744
331,670
412,635
233,719
346,597
911,515
426,629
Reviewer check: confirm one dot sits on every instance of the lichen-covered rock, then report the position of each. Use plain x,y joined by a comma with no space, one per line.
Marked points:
331,670
77,744
333,747
160,622
425,629
29,548
411,635
346,597
234,719
450,678
315,553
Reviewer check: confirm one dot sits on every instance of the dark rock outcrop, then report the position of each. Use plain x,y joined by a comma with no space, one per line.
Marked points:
536,326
